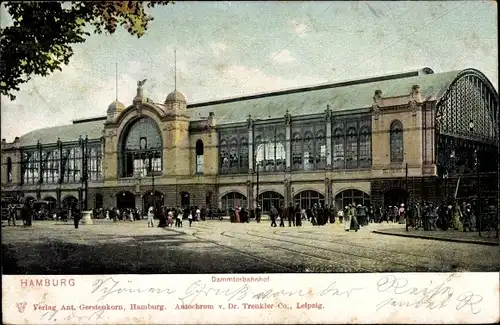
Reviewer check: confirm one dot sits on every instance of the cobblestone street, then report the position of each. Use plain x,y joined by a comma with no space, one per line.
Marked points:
221,247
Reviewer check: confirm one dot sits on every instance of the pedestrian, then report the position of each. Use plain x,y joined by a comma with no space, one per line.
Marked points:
273,214
179,219
354,220
347,219
76,220
151,217
298,216
258,213
340,214
281,214
12,216
190,218
290,214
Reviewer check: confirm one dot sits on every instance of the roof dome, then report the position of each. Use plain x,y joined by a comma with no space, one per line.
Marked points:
176,96
115,106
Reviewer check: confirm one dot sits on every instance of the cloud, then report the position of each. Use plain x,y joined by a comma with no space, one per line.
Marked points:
298,28
282,57
218,48
248,80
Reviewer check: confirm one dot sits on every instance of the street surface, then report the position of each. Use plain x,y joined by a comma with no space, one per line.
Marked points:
51,247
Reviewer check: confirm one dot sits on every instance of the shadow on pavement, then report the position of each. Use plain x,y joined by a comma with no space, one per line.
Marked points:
140,255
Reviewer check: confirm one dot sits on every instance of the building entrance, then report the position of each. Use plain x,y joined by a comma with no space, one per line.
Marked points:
125,200
395,197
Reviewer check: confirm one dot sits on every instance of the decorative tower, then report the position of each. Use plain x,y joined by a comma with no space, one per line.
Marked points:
177,132
116,107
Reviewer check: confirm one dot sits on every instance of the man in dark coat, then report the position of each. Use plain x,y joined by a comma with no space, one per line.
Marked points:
273,214
27,214
290,214
298,216
76,219
258,213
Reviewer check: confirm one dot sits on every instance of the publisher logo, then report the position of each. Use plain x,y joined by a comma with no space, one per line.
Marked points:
21,306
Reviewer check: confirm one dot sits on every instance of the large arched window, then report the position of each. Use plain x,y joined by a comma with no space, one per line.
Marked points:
352,147
232,200
396,141
296,152
320,150
141,149
352,196
309,146
307,199
270,153
338,148
9,170
365,150
199,157
233,151
269,198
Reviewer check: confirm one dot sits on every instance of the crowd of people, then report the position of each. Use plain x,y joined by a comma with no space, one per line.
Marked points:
461,216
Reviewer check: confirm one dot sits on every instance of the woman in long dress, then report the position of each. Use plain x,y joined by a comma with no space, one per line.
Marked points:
347,219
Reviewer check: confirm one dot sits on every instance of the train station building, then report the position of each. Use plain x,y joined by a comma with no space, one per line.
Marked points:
384,140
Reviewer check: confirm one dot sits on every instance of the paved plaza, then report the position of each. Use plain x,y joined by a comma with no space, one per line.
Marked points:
51,247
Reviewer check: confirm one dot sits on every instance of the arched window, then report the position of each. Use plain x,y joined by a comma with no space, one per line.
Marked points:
296,152
224,157
307,199
9,170
243,155
270,152
199,157
94,164
320,150
352,148
232,200
365,150
308,153
338,148
269,198
344,198
396,141
234,161
141,149
98,201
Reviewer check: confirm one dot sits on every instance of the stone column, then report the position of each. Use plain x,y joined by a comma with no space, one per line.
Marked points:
288,142
250,144
328,121
286,191
328,192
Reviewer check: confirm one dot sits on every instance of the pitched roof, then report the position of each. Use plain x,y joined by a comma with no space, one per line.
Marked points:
342,96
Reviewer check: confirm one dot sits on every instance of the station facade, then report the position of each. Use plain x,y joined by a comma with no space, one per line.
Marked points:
376,141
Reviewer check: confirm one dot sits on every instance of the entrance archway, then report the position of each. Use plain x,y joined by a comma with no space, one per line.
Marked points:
150,200
395,197
232,200
352,196
52,202
208,199
125,200
98,201
185,200
307,199
69,202
270,197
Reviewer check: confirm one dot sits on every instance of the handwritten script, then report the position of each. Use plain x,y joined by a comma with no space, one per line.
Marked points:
110,288
434,296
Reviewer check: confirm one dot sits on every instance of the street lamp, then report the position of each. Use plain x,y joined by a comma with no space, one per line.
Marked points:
152,168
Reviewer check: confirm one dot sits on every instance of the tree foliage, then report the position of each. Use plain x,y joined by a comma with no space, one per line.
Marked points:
41,37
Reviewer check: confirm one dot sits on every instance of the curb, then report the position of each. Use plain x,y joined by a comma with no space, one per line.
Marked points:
465,241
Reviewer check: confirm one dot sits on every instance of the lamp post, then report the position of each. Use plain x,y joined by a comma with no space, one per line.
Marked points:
152,169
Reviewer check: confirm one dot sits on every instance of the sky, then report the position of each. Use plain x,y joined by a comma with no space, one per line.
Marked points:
228,49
